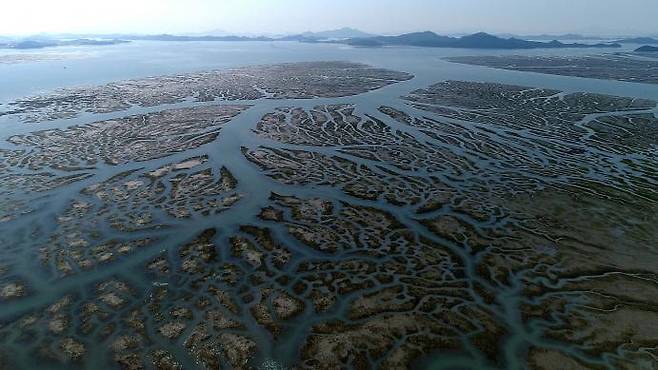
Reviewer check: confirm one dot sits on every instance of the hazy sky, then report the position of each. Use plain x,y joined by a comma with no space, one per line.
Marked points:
288,16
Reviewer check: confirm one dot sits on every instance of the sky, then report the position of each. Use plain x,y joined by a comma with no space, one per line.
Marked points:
592,17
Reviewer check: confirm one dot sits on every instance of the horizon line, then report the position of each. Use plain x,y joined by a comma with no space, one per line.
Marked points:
276,34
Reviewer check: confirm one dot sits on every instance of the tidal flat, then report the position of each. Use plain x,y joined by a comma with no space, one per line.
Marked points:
328,215
278,81
627,67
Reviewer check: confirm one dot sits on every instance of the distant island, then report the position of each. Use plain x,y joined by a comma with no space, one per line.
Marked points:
647,49
167,37
348,36
342,33
323,36
638,40
546,37
479,40
40,44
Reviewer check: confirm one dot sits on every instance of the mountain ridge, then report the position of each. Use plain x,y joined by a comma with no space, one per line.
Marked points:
40,44
340,33
647,49
479,40
638,40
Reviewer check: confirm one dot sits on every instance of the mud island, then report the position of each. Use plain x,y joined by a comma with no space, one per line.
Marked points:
132,139
278,81
463,224
627,67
